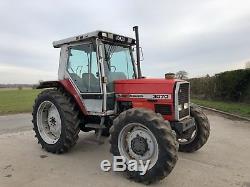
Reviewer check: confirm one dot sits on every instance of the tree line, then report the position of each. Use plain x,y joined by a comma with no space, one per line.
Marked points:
226,86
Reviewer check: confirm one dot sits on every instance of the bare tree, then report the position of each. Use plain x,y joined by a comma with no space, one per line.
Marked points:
248,65
181,75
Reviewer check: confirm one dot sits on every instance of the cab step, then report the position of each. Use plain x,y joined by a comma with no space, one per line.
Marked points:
95,126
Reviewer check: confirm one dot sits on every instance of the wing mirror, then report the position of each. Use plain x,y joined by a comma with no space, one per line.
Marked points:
141,54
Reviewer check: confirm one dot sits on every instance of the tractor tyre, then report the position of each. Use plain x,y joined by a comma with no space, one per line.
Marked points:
55,120
200,133
141,134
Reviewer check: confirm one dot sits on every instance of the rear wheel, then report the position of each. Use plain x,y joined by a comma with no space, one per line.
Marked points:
55,120
196,137
141,134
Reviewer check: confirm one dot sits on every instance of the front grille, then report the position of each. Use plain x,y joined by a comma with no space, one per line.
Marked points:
163,109
183,97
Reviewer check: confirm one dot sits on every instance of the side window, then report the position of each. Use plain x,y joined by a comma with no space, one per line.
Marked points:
83,69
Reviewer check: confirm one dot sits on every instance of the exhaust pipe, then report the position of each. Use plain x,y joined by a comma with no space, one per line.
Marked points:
138,60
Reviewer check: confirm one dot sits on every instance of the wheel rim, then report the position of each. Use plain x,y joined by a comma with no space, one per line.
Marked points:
189,139
137,142
49,122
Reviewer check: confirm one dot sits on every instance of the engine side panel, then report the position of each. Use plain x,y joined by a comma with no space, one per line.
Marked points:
145,86
154,94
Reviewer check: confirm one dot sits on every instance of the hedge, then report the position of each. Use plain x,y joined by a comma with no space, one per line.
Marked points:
228,86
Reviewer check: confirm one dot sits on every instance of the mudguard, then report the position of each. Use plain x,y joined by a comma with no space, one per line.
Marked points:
69,87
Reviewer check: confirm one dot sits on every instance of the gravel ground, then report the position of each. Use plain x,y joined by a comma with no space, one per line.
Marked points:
223,161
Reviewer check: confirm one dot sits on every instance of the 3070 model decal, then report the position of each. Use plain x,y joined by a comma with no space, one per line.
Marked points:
145,96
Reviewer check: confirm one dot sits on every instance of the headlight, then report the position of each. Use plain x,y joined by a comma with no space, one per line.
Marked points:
179,107
186,105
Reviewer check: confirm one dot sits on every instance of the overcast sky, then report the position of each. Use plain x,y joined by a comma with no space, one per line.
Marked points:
200,37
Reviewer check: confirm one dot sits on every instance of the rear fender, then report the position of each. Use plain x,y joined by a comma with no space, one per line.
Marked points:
48,84
69,87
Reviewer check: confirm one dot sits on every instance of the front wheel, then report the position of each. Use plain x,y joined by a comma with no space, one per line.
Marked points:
196,137
140,134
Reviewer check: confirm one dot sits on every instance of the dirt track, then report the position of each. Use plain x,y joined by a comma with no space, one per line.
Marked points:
224,160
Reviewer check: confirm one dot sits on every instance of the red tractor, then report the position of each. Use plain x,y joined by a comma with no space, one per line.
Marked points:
100,87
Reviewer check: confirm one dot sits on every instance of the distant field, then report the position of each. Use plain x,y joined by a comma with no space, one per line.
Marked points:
241,109
17,101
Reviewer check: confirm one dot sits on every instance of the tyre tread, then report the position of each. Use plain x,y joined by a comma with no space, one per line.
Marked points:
163,132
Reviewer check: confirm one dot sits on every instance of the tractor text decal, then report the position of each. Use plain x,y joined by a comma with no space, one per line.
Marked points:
145,96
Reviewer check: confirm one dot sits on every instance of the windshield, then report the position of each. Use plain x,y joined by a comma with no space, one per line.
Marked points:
118,64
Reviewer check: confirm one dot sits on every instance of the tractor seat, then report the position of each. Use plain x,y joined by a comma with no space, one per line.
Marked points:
91,83
78,81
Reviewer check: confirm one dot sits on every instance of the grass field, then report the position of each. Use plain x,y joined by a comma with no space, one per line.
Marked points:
17,101
241,109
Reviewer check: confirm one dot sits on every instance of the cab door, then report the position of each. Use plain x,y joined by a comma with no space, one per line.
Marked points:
84,70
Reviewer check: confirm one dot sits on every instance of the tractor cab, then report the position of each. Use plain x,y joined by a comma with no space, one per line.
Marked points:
92,62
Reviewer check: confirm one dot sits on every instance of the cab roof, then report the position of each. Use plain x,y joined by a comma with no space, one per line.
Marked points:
95,34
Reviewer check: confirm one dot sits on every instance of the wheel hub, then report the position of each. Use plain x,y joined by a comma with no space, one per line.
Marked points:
139,145
52,121
49,122
137,142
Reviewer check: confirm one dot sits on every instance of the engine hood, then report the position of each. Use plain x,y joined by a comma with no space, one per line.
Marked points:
145,86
